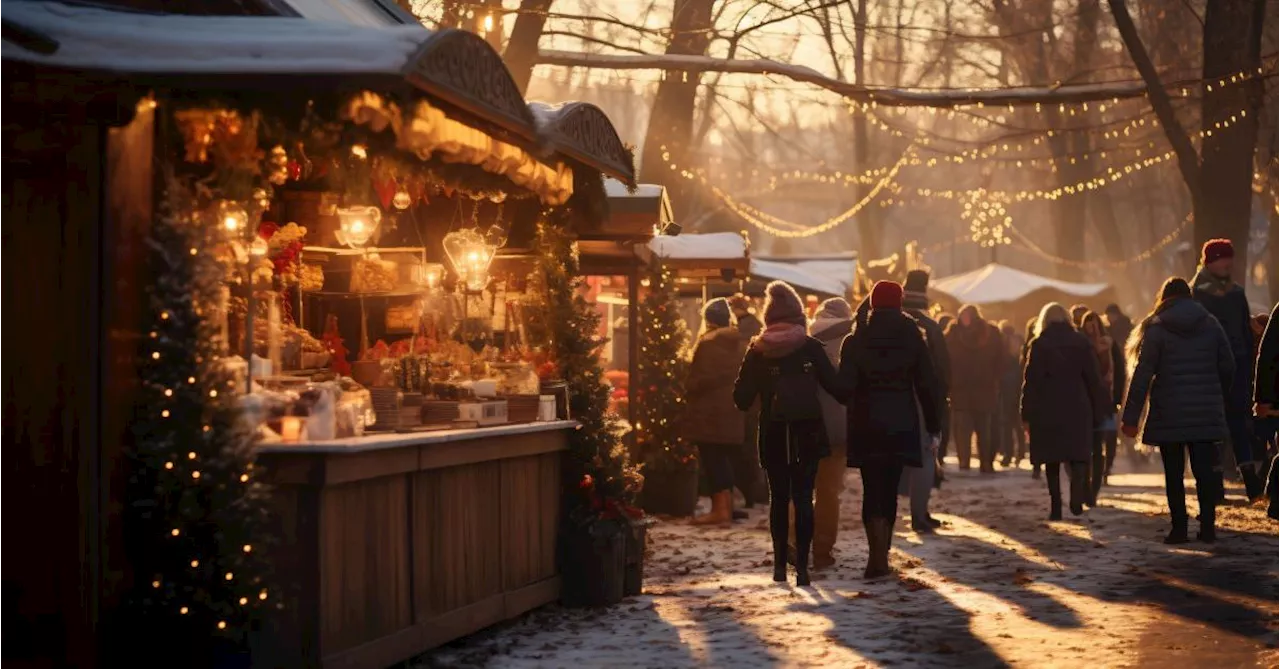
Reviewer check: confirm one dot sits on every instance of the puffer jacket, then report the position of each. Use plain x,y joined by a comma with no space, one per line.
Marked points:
1184,370
710,416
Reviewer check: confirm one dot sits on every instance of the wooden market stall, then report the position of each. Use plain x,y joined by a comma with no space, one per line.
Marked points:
389,542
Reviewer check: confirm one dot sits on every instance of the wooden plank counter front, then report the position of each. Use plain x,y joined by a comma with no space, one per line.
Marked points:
391,545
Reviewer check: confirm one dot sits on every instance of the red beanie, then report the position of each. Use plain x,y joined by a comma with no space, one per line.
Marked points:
1216,249
886,295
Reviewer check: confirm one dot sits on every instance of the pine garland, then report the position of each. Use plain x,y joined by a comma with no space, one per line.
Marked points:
197,514
660,375
598,465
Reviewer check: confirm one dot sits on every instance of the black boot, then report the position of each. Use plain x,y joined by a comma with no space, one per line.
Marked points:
780,561
1207,534
1055,508
1178,534
1252,482
1079,483
1055,495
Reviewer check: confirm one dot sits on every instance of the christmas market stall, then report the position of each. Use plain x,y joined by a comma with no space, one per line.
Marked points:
349,403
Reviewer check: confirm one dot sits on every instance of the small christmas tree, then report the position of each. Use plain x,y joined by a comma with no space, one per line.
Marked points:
660,375
196,514
602,481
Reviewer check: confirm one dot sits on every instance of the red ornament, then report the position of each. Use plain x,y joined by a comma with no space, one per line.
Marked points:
333,341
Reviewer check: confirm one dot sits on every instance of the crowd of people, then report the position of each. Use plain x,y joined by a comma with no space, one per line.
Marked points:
887,389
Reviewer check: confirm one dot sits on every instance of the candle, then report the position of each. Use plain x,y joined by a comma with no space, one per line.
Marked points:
290,428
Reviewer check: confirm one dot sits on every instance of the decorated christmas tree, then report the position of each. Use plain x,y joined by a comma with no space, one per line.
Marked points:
196,515
603,482
660,373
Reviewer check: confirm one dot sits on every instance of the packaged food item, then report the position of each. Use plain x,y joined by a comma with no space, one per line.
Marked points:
310,278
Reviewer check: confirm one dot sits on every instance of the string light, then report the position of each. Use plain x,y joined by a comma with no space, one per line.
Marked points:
769,223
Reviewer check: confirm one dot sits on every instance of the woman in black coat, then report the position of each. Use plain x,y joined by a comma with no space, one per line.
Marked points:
887,366
1062,402
784,368
1184,368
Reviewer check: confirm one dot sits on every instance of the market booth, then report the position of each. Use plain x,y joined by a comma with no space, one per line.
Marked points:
1004,292
372,199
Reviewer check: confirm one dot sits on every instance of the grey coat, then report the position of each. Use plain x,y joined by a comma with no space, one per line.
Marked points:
832,334
1184,369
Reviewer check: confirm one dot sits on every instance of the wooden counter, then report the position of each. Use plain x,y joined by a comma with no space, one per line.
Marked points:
391,545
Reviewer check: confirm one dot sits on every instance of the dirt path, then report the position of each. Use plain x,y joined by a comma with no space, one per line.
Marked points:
999,586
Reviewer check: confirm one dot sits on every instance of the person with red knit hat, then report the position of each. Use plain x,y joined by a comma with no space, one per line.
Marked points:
887,366
1215,290
784,368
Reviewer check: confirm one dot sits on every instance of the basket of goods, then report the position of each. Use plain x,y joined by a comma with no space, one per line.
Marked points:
386,408
313,352
371,274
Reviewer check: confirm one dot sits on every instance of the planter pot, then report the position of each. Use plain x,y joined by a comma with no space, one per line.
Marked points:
671,492
633,568
593,568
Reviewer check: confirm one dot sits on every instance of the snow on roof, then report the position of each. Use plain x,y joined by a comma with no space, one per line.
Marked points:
997,283
616,189
352,12
815,276
711,246
91,38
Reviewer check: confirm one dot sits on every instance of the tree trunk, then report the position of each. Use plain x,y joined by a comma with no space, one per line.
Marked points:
671,119
868,219
1232,42
522,49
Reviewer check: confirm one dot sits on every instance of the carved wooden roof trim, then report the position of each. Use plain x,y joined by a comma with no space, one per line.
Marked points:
584,132
462,69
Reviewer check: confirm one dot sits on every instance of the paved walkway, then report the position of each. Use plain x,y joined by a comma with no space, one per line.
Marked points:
999,586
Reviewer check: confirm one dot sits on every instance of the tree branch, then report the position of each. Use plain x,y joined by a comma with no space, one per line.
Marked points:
892,97
1188,159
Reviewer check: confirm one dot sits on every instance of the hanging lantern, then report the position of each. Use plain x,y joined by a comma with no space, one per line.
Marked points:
402,200
356,225
470,256
428,275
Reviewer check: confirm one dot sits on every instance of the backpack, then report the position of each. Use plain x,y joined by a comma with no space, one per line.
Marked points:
794,384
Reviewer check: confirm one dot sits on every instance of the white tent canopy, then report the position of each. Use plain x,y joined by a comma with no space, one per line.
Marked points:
819,276
996,283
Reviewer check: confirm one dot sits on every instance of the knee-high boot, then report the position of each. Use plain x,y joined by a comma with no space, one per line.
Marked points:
1055,494
1079,486
778,530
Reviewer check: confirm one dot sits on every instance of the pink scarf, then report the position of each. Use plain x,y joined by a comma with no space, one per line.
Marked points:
780,339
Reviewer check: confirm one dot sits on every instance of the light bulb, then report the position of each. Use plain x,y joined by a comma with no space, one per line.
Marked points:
402,200
258,248
488,23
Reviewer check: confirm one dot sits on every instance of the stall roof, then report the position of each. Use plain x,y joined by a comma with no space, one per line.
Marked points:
815,276
583,132
997,283
352,12
711,253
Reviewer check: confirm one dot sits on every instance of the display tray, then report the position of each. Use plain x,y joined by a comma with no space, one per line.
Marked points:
347,295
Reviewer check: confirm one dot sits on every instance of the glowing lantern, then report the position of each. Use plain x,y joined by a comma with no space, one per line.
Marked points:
470,254
356,225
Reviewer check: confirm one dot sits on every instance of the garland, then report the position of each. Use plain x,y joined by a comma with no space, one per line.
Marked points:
196,515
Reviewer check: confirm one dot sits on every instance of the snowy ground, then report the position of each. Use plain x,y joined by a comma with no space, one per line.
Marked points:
999,586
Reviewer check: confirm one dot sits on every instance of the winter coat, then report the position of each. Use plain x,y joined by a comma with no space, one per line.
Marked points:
1184,369
749,326
1226,301
977,362
1062,395
832,333
1119,327
887,367
938,353
1266,371
710,416
803,440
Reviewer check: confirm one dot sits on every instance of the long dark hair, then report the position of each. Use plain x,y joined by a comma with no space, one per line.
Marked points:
1173,288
